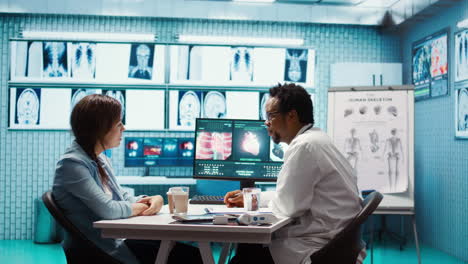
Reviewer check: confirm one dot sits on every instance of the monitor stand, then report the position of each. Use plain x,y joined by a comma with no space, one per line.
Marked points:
147,171
247,184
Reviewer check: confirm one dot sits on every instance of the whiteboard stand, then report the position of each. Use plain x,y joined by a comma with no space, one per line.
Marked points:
395,203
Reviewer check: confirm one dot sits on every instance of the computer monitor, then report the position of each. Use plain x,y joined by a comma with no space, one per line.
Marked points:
157,151
231,149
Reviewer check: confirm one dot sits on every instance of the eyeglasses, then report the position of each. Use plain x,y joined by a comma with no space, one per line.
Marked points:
271,115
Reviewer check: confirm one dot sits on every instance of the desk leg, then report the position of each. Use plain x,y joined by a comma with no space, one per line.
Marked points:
416,241
163,252
205,251
224,253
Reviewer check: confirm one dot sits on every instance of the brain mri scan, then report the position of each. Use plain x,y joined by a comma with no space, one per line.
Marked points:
214,105
119,96
27,107
189,108
263,115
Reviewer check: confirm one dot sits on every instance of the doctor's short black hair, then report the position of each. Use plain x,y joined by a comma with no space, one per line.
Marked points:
294,97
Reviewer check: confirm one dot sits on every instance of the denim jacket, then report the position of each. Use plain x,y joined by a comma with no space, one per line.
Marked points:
78,190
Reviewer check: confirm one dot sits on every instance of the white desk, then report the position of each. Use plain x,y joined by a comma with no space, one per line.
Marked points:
158,227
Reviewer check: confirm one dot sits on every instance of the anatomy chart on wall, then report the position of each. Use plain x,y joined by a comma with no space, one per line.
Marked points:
371,131
461,56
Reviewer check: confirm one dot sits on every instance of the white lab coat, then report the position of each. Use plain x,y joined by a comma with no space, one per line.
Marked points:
316,187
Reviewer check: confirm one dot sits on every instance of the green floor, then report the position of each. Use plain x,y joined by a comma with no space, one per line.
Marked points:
25,251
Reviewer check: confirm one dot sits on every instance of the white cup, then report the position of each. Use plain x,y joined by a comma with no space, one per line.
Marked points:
178,200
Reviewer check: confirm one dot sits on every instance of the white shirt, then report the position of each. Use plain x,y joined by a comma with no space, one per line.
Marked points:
317,187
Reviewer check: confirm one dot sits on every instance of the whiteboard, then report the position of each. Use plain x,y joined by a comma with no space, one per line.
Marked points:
373,127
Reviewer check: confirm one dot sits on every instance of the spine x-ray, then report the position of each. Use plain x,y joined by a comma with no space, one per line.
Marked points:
55,60
295,69
28,106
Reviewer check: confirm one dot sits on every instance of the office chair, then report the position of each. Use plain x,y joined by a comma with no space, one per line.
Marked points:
88,252
344,248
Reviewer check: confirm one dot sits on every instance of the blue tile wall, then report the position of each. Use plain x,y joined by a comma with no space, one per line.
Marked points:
441,182
27,158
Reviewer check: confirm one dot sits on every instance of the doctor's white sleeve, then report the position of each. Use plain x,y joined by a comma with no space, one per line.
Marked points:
297,181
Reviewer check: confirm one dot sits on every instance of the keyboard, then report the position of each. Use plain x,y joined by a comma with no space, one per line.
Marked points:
207,199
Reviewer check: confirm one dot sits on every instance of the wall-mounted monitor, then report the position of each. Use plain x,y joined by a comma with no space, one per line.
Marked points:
158,151
430,66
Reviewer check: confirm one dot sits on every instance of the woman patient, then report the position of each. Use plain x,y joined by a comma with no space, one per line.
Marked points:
87,191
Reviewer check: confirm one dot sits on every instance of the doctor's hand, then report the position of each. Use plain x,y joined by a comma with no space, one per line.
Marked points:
154,204
234,199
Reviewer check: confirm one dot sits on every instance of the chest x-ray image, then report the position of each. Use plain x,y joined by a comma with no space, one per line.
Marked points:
263,100
461,55
141,61
189,108
462,114
119,95
393,155
28,106
241,66
214,105
83,61
295,69
55,60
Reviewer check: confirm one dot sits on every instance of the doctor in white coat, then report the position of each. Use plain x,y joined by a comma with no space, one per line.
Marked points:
316,185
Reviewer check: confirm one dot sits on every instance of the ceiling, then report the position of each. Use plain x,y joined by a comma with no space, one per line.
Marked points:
357,12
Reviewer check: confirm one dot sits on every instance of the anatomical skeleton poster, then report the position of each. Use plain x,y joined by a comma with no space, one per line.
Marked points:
370,128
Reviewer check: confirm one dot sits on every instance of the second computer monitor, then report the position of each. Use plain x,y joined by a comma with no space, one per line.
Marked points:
231,149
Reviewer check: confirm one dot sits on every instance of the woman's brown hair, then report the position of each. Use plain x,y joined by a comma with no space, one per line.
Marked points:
91,119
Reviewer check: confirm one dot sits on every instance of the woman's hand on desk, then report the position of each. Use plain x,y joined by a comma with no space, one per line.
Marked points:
138,208
154,204
234,199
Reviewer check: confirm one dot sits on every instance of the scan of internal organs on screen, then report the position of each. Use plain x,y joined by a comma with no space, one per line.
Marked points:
214,145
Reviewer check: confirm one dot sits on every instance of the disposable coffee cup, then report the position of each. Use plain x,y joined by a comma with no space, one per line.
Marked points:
178,200
251,199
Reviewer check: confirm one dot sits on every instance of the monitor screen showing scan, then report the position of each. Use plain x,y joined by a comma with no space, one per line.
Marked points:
230,149
156,151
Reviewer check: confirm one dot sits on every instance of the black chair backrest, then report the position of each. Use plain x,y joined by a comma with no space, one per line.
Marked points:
344,248
89,252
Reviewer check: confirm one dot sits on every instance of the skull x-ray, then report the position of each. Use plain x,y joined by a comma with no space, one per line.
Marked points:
141,61
55,60
214,105
189,108
83,60
295,69
241,66
78,94
263,100
119,95
28,106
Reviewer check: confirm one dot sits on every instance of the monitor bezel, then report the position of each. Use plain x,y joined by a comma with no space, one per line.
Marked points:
226,178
